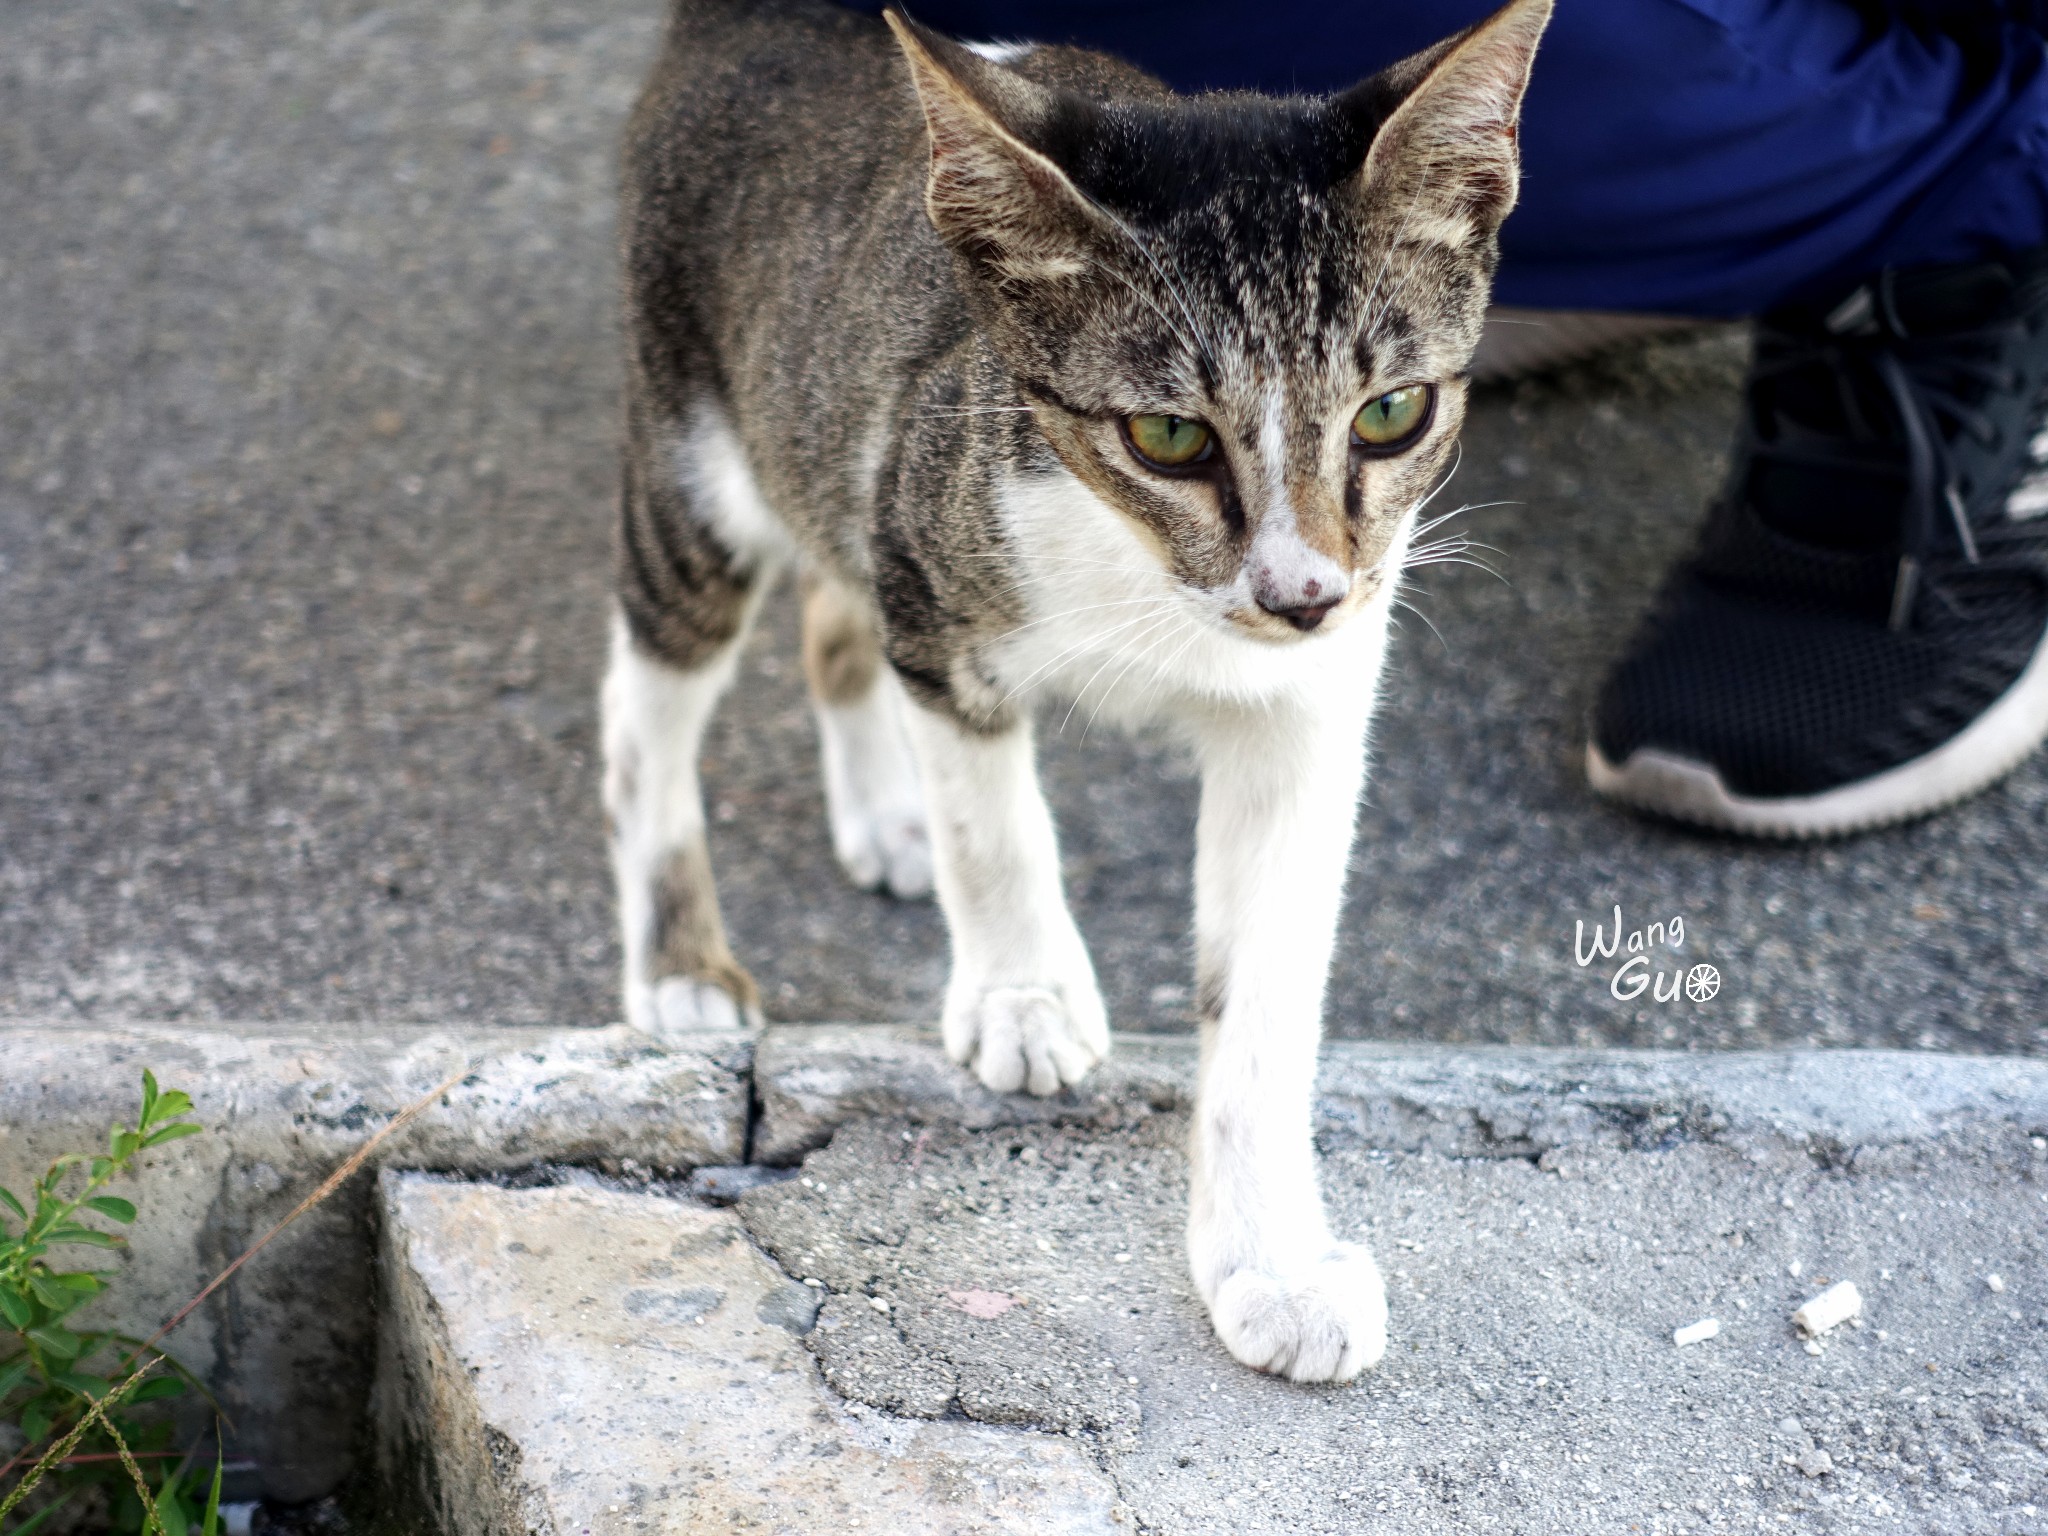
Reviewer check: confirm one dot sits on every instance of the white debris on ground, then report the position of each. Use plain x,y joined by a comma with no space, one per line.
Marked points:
1832,1307
1995,1284
1696,1333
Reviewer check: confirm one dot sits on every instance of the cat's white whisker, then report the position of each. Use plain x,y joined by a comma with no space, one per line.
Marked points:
1471,506
1068,613
1401,601
1455,544
1477,565
1067,653
1110,692
1108,662
1457,463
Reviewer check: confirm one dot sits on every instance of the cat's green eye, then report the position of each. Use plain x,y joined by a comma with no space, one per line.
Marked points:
1170,442
1394,418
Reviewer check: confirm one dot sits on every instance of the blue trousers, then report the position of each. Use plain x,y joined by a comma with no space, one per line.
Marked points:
1702,157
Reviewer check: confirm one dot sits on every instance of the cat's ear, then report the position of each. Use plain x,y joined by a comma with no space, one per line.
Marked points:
991,195
1444,160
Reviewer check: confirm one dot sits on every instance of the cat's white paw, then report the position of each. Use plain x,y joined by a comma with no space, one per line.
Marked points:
686,1005
884,851
1043,1038
1326,1321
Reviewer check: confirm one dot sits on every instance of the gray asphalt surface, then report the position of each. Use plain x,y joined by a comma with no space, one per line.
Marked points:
307,383
1531,1382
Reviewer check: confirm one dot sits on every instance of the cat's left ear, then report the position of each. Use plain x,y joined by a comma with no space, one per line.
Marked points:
1444,161
991,195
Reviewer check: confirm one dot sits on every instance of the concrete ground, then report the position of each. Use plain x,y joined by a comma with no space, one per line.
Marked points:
306,414
608,1355
1531,1384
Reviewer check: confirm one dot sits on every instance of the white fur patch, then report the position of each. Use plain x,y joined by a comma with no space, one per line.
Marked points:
712,468
1273,449
1002,53
873,794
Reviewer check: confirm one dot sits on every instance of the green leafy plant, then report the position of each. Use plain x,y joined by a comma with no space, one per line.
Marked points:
53,1373
76,1423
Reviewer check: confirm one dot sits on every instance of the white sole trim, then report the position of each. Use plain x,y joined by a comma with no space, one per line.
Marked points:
1978,756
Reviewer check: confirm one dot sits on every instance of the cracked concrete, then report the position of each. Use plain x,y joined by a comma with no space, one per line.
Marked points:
1546,1222
595,1361
1544,1214
1533,1383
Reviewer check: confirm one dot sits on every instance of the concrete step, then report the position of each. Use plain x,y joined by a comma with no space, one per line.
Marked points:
1545,1219
596,1361
1007,1338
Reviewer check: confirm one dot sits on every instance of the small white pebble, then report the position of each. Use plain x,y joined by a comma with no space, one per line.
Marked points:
814,1282
879,1303
1793,1269
1695,1333
1813,1346
1123,1258
1837,1304
1995,1284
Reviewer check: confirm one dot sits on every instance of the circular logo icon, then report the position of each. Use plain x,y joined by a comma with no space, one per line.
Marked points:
1702,982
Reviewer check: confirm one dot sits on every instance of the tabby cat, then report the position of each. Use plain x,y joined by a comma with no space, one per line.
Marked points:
1052,383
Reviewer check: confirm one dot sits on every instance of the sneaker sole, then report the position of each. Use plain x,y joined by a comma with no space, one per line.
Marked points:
1974,759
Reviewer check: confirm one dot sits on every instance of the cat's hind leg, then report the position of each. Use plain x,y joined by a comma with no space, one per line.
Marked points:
696,552
871,784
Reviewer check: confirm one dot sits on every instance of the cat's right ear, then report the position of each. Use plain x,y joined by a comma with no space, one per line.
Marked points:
991,196
1445,158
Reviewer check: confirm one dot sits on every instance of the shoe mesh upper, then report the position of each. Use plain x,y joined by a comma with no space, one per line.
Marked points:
1858,597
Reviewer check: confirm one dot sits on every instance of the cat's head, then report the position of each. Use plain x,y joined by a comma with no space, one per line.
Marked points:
1243,321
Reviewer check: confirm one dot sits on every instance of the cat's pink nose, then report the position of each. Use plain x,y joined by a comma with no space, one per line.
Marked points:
1301,598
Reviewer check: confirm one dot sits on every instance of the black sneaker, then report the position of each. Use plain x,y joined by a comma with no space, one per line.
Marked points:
1859,638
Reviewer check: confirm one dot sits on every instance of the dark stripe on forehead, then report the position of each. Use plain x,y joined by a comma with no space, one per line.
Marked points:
1388,343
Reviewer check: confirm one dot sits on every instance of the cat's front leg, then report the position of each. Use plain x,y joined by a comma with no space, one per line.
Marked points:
1022,1008
1279,792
